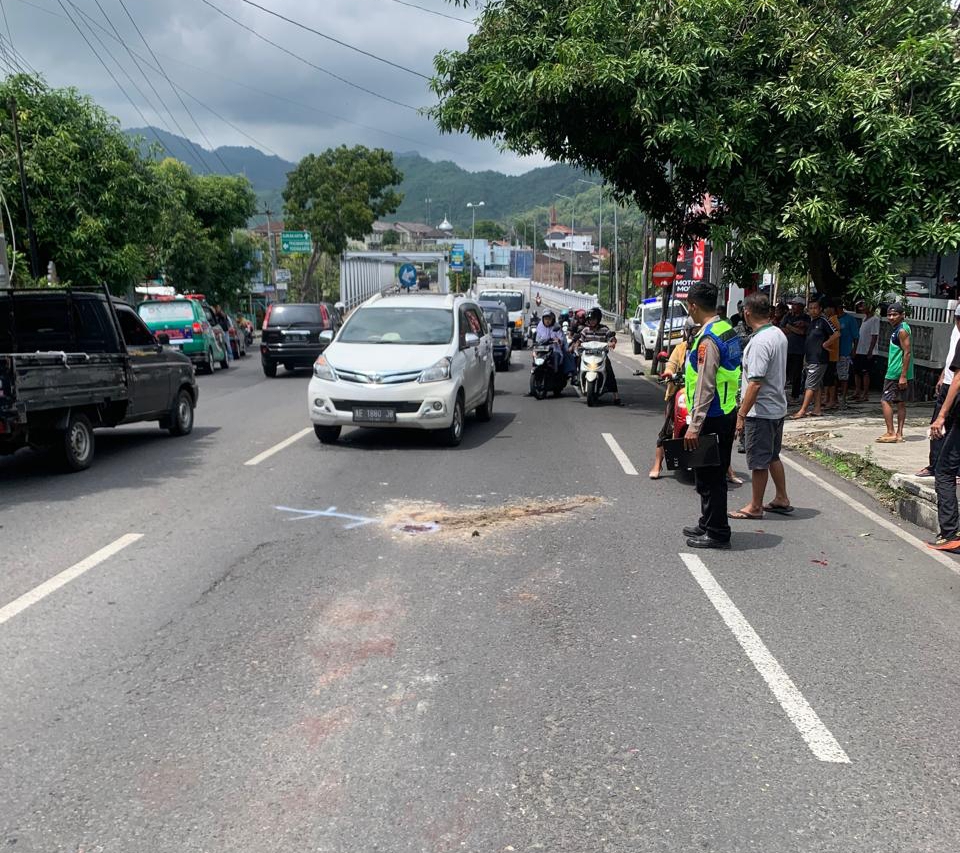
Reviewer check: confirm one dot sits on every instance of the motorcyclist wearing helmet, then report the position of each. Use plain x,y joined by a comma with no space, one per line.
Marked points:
595,330
548,332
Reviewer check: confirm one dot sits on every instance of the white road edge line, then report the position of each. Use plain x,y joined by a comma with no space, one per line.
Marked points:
622,457
876,518
18,605
260,457
817,736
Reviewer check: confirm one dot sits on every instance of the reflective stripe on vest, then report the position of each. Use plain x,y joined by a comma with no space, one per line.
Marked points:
728,373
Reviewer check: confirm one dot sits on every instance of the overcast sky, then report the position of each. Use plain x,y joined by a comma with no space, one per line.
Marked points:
245,79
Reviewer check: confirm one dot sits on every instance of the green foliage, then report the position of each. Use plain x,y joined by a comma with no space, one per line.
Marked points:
391,238
487,229
194,241
830,131
91,195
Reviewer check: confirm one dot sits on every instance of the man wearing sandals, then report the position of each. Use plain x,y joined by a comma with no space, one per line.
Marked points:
820,337
763,407
898,381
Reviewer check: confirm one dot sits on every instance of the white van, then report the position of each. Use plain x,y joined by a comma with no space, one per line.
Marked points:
646,324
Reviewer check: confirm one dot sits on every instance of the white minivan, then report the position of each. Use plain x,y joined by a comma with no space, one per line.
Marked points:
418,360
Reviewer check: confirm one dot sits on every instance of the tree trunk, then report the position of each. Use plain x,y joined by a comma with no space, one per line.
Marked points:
825,278
314,259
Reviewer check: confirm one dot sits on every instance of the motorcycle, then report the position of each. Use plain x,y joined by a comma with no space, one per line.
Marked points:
546,375
592,370
532,328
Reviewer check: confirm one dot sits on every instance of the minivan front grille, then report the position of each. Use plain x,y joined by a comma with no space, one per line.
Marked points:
374,378
404,407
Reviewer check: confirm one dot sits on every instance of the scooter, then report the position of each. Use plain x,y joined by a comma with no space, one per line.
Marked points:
546,375
592,370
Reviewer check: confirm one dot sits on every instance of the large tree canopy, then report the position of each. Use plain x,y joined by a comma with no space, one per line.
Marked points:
830,130
337,196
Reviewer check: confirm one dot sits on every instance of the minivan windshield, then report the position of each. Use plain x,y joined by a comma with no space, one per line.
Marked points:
407,326
651,313
166,312
513,299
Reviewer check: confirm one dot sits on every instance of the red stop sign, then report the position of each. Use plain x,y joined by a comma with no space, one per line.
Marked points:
663,274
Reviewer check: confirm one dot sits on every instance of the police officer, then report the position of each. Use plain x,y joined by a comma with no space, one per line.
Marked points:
711,382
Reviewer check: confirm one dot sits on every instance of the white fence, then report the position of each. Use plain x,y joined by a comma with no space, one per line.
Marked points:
558,297
361,278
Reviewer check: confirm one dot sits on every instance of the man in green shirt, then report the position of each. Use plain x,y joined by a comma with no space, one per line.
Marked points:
898,382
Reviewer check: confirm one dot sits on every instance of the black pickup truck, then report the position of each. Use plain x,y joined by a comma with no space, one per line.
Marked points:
72,360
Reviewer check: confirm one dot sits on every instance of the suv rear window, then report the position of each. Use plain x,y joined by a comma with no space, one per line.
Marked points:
288,315
163,312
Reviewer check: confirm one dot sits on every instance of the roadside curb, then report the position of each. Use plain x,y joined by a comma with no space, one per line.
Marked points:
908,498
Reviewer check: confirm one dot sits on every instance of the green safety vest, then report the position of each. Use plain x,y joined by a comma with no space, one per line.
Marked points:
728,373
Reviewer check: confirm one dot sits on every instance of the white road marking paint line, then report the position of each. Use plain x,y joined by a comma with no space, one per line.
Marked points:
18,605
260,457
817,736
622,458
876,518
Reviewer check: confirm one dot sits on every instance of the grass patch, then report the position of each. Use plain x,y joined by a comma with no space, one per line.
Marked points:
858,469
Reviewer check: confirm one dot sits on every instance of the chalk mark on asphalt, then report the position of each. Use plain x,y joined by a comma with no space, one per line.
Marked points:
817,736
329,512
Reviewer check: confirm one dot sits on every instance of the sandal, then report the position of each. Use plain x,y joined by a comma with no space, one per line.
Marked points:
926,471
740,514
778,508
734,481
887,439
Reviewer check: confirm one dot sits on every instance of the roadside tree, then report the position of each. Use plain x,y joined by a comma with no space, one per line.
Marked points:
338,195
829,132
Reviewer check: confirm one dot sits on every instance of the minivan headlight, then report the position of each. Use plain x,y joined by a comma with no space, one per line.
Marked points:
437,373
322,370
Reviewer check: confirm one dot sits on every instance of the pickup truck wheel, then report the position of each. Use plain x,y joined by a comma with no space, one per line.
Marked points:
636,347
77,443
180,419
270,369
326,434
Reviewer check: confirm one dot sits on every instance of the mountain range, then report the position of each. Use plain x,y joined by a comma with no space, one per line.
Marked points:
431,189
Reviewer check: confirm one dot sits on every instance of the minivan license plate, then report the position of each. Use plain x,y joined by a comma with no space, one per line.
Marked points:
376,415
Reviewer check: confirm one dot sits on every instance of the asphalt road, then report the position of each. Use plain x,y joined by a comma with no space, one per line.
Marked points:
492,648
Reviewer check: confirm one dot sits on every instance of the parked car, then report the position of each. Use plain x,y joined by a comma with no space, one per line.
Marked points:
501,331
645,325
293,334
237,345
187,322
416,360
72,360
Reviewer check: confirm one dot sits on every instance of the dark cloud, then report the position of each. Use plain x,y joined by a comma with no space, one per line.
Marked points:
287,106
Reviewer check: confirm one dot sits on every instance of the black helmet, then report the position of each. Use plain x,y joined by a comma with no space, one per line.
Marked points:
595,314
548,313
564,315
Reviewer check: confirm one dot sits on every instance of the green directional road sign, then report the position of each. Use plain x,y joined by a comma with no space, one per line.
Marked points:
296,242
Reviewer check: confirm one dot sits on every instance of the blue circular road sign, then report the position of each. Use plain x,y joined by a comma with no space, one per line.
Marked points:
407,276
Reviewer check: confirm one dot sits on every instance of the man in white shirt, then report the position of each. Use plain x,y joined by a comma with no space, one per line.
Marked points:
865,353
943,384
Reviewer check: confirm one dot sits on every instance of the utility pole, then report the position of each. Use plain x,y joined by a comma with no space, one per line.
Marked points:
273,250
473,229
34,254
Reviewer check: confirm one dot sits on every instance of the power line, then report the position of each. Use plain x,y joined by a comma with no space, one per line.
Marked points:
107,68
179,97
435,12
307,61
334,40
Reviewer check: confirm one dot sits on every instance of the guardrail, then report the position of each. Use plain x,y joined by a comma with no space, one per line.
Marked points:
360,279
560,298
931,310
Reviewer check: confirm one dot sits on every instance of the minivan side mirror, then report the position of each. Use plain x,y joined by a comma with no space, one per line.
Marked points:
528,306
471,340
326,335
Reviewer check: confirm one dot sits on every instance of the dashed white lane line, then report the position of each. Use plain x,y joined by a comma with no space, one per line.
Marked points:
817,736
622,457
876,518
40,592
260,457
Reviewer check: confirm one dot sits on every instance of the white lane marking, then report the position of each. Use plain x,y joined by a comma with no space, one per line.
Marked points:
622,457
876,518
18,605
260,457
823,744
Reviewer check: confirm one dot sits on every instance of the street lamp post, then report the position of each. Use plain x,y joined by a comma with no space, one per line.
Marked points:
473,230
600,237
573,213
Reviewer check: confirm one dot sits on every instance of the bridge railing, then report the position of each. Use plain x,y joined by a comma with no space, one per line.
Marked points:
561,298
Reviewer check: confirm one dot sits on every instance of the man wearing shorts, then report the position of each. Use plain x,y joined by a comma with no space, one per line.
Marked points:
763,407
820,337
866,352
849,332
898,381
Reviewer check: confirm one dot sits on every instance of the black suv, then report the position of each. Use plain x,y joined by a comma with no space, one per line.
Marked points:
294,334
